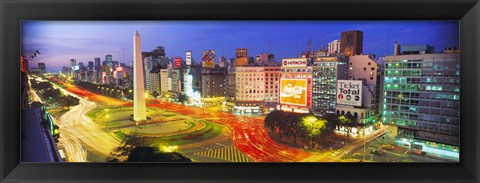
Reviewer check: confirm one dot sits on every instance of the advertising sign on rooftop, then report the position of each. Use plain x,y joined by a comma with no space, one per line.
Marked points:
208,58
294,62
293,91
188,57
23,68
241,57
349,92
177,62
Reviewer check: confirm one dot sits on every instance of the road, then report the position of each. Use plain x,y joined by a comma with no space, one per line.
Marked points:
78,133
337,155
248,133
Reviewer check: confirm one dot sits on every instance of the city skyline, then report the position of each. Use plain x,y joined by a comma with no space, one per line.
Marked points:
60,41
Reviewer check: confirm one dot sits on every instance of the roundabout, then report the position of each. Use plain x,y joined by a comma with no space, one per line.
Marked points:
162,129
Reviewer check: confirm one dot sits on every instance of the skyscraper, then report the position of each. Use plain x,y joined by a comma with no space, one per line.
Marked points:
108,60
97,64
351,43
90,65
139,109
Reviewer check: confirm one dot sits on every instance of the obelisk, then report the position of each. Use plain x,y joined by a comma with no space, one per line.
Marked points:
139,108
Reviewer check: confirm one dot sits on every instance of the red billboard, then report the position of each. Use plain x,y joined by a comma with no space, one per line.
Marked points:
177,62
23,66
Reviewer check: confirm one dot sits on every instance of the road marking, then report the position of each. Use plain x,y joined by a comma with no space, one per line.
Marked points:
220,144
229,153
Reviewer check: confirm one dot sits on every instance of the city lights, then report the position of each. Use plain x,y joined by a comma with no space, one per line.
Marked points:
345,102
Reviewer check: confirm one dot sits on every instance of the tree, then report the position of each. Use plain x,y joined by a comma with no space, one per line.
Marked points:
348,121
141,154
312,126
332,121
291,126
155,94
273,120
152,154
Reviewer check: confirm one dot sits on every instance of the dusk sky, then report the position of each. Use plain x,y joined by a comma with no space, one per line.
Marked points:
60,41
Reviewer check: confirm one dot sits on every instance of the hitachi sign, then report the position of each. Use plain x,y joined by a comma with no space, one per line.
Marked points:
294,62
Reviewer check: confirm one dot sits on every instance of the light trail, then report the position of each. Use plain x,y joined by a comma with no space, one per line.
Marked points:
248,133
79,129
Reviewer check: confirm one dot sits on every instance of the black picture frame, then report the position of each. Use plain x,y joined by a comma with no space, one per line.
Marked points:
12,12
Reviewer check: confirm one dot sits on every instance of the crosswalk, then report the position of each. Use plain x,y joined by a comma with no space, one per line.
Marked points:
229,153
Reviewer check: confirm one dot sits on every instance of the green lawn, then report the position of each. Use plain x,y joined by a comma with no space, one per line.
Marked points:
211,130
121,135
168,115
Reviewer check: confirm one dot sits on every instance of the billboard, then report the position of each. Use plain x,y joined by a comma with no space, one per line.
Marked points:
242,56
208,58
188,57
349,92
293,91
294,62
23,68
177,62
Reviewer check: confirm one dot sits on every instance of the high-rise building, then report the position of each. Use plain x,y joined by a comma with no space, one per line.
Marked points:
98,67
250,89
326,72
213,82
154,76
272,85
73,63
177,81
230,85
139,107
148,63
108,61
334,47
73,68
351,43
164,80
364,67
422,98
90,65
364,71
295,89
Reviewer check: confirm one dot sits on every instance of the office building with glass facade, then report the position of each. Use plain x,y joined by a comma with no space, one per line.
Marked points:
326,72
421,97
